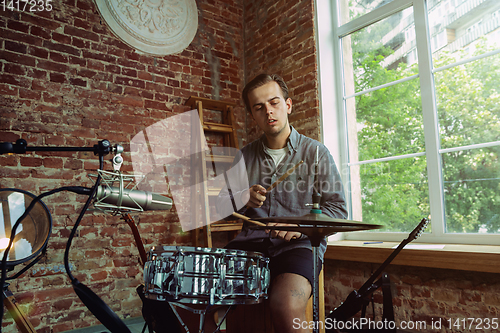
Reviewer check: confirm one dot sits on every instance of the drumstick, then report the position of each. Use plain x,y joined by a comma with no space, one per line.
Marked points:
285,175
243,217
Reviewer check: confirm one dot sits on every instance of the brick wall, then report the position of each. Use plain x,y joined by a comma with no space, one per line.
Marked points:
280,39
425,295
66,80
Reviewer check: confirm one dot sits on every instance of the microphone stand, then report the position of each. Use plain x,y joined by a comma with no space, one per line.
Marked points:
100,309
21,147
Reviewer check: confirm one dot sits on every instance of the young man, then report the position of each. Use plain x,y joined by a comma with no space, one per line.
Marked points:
267,159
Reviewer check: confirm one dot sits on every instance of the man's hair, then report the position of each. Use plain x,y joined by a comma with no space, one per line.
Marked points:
261,80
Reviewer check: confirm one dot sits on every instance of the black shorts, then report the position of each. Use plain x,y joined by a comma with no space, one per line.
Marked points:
298,261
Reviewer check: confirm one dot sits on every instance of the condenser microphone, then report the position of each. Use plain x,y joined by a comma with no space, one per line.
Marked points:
110,197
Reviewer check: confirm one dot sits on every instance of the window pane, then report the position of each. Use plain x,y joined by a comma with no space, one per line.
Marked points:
351,9
469,103
463,28
380,53
386,122
393,194
472,190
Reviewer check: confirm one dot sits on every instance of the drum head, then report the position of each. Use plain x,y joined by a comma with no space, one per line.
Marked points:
33,232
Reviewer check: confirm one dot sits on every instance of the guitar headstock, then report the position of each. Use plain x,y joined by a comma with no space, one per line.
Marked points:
419,229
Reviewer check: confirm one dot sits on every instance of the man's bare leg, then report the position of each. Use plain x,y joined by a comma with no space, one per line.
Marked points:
288,299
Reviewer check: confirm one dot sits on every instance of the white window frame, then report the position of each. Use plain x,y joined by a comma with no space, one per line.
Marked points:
333,117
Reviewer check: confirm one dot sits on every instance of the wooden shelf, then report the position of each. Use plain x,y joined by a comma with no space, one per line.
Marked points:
209,103
477,258
220,128
219,159
225,129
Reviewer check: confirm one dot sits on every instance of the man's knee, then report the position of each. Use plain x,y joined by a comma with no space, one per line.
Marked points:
289,293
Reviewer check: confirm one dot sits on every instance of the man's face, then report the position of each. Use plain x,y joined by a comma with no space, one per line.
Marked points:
269,108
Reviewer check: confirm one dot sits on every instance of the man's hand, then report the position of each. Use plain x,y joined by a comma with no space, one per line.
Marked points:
256,196
283,234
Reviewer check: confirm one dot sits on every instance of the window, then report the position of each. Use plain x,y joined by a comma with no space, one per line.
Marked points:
418,121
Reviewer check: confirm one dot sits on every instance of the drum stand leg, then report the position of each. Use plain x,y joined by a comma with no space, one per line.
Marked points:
201,312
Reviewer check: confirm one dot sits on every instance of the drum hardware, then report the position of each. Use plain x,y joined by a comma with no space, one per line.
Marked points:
201,312
183,275
359,300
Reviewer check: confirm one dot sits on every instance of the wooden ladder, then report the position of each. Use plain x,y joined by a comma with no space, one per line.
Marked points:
224,129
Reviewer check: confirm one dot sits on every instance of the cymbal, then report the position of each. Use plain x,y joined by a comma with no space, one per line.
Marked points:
319,220
308,229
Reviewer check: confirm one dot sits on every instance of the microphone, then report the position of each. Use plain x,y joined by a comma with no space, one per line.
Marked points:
127,199
124,197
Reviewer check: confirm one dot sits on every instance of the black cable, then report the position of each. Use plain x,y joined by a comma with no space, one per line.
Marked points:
78,220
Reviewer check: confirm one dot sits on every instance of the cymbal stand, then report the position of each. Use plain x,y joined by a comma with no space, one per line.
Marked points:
315,239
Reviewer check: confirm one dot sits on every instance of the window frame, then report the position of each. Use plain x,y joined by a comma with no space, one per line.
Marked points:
330,34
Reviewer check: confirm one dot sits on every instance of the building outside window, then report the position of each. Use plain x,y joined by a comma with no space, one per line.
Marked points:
416,90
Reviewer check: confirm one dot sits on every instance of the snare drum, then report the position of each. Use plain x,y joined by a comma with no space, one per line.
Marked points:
198,275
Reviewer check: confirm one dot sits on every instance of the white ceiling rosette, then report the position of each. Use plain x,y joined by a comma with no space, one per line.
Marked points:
157,27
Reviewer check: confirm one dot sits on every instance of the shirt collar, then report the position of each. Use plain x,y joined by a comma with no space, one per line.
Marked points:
291,142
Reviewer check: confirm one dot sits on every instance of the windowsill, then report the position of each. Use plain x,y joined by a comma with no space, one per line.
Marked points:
477,258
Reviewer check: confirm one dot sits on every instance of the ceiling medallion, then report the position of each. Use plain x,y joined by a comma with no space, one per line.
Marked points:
158,27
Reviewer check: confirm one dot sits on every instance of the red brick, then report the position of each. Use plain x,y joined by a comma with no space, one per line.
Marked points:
44,295
116,52
145,76
78,82
17,58
52,66
98,56
116,43
129,72
38,52
61,38
69,30
58,57
30,94
40,21
77,61
57,77
53,162
130,82
18,26
84,5
63,48
40,32
131,64
14,69
79,23
15,80
15,47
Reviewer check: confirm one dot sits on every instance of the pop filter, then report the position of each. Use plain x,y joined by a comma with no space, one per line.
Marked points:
33,232
99,309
